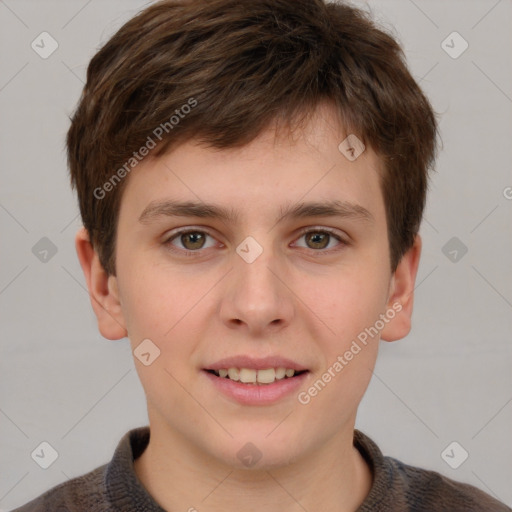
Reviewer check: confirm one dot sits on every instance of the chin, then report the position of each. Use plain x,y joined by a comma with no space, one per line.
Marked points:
258,452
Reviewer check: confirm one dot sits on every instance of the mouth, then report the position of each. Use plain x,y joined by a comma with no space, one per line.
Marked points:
259,377
252,387
256,381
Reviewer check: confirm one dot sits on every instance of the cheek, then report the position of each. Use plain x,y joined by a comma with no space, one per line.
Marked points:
165,311
153,304
169,308
350,303
350,307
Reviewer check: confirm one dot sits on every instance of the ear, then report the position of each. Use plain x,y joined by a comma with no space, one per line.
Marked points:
103,289
401,294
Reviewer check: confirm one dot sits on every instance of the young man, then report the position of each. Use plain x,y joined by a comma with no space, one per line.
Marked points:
251,178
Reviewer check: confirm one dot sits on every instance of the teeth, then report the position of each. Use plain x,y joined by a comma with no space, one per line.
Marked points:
248,376
234,374
280,373
266,376
252,376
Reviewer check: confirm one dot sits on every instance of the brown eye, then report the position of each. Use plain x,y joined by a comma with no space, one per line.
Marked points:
192,240
317,239
321,240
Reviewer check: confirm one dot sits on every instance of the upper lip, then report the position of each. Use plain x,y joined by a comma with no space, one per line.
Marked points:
255,363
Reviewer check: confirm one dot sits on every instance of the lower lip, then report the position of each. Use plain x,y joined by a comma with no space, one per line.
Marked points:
257,394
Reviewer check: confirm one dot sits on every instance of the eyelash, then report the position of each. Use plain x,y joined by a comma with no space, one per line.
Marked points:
305,231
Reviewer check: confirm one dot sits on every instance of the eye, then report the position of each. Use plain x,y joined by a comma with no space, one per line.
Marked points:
190,240
318,239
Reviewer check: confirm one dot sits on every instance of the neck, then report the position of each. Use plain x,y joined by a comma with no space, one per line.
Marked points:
333,478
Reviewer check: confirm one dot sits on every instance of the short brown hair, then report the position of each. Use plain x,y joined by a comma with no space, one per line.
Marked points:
238,66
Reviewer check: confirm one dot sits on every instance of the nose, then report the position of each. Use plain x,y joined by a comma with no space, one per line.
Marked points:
257,299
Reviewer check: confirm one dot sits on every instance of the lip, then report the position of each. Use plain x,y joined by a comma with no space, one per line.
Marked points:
255,363
257,394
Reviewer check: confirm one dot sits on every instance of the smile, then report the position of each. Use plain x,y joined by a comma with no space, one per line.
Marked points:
245,386
253,376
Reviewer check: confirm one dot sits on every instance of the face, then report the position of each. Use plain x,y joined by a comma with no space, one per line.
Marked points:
290,276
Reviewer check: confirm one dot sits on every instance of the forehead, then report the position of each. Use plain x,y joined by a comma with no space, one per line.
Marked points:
269,175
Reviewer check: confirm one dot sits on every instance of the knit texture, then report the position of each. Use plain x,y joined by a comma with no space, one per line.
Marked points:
397,487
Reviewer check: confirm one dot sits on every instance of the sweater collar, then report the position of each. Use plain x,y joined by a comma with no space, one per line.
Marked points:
127,494
125,490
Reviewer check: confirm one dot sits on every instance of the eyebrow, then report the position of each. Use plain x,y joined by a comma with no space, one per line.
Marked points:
334,208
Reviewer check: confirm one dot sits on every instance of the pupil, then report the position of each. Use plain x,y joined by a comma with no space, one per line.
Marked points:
196,240
319,239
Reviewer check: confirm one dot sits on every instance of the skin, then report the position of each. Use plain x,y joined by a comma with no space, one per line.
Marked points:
298,299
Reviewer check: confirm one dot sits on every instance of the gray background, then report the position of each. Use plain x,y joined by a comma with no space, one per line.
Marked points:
450,380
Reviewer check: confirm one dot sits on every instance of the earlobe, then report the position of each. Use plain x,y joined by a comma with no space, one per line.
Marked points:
103,289
401,296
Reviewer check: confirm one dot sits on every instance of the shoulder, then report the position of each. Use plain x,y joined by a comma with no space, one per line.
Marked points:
430,491
113,486
399,487
86,492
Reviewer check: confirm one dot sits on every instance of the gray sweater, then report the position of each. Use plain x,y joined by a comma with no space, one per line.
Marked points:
396,486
